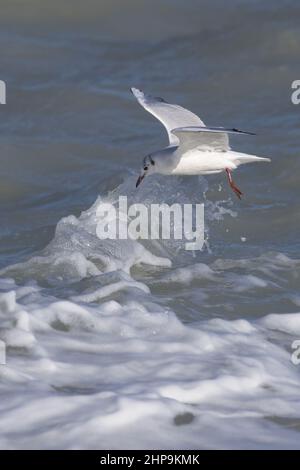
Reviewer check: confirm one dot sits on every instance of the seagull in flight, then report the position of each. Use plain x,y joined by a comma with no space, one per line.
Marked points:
193,149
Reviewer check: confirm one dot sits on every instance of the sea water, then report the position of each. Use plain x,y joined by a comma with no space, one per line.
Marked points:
141,343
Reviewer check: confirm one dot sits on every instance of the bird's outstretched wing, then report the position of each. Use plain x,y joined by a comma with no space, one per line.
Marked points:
170,115
205,138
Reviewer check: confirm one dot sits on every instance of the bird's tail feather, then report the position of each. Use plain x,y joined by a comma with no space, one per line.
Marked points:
242,158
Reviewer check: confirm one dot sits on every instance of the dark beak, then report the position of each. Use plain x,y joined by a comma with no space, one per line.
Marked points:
140,179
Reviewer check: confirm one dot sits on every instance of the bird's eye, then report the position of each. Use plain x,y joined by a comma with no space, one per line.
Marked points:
145,168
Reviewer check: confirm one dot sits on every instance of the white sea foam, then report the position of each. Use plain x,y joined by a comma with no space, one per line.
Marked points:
97,358
289,323
101,376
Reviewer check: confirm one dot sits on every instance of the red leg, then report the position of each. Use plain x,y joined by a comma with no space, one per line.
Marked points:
237,191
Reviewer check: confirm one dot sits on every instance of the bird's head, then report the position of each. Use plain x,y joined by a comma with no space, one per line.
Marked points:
148,168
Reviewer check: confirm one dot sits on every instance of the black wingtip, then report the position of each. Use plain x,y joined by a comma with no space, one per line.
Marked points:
243,132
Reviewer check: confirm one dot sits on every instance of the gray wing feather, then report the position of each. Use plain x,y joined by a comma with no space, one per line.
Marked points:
170,115
205,138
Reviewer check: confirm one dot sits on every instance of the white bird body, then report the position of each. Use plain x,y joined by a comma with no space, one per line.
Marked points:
194,149
199,162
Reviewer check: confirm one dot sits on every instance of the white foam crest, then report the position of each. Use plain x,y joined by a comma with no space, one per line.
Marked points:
288,323
188,274
76,252
128,365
